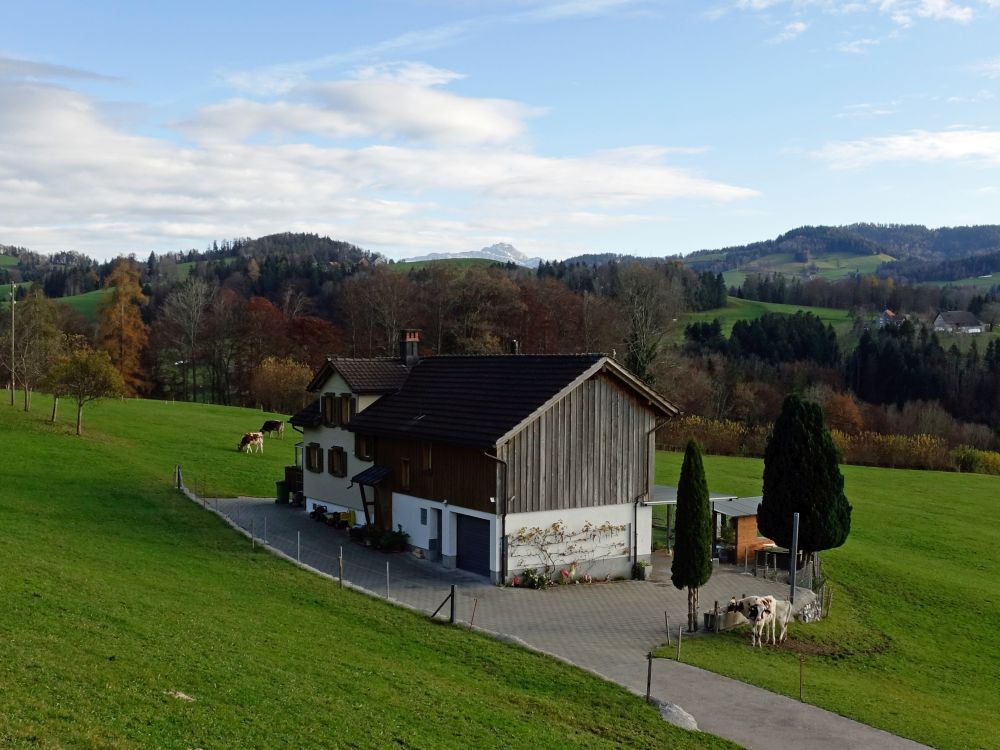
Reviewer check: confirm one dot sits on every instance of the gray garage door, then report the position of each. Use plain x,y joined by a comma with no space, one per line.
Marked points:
473,544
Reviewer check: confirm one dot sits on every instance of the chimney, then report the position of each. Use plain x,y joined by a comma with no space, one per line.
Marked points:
409,344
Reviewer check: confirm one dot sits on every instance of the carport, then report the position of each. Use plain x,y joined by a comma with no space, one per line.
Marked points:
663,503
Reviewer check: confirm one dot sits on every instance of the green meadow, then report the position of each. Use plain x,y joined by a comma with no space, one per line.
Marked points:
745,309
117,592
912,644
86,303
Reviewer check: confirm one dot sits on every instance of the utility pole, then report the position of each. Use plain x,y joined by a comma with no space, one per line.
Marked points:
12,303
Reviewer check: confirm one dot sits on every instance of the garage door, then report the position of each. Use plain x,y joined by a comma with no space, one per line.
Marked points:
473,545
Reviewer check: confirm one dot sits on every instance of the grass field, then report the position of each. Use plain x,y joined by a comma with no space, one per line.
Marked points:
744,309
116,590
977,281
913,641
462,264
86,303
8,261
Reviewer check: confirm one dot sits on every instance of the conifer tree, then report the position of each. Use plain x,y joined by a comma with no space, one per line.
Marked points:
120,329
692,565
801,475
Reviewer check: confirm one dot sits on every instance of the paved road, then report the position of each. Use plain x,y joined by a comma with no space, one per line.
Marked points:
605,628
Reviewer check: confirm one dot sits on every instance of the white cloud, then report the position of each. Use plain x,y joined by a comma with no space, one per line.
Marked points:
71,179
989,68
19,69
982,146
857,46
790,31
867,109
399,100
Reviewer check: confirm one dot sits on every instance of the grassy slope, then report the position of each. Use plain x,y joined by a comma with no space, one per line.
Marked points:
116,589
8,261
913,641
86,303
744,309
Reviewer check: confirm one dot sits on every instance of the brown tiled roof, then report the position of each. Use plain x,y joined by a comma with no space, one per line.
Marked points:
363,376
477,400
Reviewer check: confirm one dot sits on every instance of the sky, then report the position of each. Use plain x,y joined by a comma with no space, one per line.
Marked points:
649,127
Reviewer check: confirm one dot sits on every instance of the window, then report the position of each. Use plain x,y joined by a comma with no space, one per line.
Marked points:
423,516
425,458
314,457
346,406
404,473
330,408
363,447
336,461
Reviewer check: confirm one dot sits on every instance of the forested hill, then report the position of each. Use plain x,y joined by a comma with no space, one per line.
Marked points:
899,241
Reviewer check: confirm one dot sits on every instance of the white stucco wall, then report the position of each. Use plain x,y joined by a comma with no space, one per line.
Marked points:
607,553
406,513
322,488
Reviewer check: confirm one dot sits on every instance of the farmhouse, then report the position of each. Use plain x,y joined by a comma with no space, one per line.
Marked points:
500,463
329,454
958,321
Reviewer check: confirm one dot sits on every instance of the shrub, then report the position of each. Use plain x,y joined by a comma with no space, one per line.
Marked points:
976,461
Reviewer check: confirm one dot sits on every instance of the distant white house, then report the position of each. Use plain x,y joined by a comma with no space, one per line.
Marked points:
958,321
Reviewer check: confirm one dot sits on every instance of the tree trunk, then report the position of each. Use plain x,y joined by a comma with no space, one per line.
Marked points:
27,398
79,419
55,407
692,609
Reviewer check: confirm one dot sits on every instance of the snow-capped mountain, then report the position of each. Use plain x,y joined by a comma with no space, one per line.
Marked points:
501,252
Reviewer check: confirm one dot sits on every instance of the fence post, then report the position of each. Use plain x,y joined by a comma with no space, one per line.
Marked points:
716,620
793,561
265,529
340,564
801,663
451,616
475,606
649,673
386,579
298,546
253,541
680,630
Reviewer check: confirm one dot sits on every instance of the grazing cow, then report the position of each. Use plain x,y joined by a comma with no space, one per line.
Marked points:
272,426
251,440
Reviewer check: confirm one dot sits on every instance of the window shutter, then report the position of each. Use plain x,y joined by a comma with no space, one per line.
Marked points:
335,422
354,407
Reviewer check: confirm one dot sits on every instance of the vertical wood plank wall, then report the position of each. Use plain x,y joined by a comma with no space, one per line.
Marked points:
462,476
590,448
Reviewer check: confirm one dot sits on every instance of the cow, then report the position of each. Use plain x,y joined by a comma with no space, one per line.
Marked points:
757,609
272,426
250,440
780,613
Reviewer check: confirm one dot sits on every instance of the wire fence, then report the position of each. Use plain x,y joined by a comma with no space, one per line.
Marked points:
399,577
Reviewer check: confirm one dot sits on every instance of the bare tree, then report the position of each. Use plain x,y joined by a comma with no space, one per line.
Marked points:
183,316
650,304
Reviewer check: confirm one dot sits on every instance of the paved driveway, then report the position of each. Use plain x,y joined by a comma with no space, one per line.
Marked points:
605,628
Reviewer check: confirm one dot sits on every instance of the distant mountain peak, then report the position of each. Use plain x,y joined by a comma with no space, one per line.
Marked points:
500,252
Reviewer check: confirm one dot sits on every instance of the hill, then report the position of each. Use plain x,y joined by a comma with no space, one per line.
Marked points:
911,644
119,591
744,309
833,252
405,266
86,303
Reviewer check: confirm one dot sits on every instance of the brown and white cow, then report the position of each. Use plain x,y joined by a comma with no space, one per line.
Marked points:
251,440
272,426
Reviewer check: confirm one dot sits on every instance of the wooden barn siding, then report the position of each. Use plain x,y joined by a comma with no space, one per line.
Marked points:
462,476
590,448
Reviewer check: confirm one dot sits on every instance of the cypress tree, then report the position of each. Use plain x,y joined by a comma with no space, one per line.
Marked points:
801,475
692,565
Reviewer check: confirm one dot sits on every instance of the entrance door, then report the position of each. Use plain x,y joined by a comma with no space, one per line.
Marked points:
473,544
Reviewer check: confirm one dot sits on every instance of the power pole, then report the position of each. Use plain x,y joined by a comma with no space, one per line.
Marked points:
12,303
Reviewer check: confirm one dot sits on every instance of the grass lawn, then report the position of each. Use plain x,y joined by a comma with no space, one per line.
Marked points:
8,261
745,309
117,590
913,641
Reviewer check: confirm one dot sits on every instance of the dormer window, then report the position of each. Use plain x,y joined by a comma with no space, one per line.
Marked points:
331,409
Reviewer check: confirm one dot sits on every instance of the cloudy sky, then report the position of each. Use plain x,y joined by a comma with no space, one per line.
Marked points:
560,126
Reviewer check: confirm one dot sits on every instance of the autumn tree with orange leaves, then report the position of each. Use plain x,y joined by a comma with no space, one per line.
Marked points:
120,330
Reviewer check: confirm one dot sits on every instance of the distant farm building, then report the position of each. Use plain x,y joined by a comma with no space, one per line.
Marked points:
958,321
